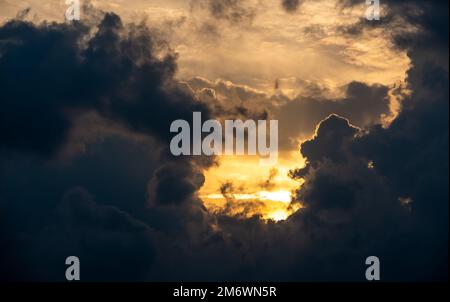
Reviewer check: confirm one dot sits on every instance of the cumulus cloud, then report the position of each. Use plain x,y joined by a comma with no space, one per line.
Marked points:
407,160
364,105
120,71
175,183
329,139
118,79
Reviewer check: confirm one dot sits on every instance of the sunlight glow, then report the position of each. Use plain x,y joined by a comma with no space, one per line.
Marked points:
280,196
279,215
283,196
253,192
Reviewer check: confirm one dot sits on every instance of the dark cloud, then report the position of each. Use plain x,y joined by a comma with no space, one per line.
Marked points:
90,105
358,206
231,10
363,105
291,5
115,197
121,72
430,18
407,161
329,140
238,12
112,244
175,183
269,183
235,12
418,139
23,13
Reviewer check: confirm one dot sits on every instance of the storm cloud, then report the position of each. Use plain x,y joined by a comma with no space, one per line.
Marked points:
89,108
120,71
85,168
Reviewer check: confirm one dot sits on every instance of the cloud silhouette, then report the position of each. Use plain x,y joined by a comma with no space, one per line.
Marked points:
85,168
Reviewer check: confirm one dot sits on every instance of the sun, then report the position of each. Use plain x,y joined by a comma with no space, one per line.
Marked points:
278,215
280,196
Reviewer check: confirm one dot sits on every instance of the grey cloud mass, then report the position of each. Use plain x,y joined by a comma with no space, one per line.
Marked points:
85,109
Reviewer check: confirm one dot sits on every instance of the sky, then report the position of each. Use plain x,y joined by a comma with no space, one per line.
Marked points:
86,169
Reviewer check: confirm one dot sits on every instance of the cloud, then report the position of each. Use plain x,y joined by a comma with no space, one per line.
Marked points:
111,244
121,72
175,182
291,5
230,10
119,80
329,140
363,105
231,101
269,184
419,22
130,210
103,237
408,161
235,12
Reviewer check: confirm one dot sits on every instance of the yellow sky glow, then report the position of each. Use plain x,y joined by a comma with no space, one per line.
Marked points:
252,196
